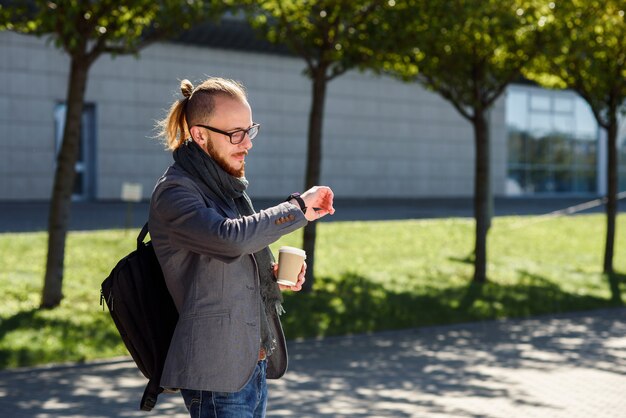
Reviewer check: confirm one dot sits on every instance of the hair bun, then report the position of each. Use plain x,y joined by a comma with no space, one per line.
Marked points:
186,87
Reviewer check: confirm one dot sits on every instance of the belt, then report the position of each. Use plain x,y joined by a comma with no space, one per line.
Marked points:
262,355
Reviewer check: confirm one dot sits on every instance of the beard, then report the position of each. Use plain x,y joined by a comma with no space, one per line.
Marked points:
223,162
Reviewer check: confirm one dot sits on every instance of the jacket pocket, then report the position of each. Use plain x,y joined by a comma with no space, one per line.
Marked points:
210,341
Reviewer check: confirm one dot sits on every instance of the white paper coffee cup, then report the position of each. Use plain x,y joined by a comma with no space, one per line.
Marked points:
290,261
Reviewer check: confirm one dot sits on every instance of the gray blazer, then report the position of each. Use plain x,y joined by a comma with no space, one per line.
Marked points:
206,252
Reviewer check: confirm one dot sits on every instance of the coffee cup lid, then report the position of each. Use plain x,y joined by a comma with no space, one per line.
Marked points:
293,250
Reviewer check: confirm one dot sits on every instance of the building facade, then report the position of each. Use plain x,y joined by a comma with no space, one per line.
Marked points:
382,138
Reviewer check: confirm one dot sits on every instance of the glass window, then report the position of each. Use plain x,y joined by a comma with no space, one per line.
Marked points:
517,110
585,181
552,142
516,182
84,182
539,101
540,123
585,152
518,142
564,123
563,104
562,180
586,124
539,151
561,151
540,181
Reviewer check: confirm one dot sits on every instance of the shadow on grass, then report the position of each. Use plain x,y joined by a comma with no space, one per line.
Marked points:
44,339
616,281
468,259
354,304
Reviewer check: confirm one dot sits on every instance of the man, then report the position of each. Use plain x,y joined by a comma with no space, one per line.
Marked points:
213,249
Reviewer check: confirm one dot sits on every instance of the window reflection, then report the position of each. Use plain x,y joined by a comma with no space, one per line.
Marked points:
552,142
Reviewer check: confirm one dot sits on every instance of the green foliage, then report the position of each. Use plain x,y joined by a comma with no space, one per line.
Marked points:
466,50
372,276
114,26
329,34
587,53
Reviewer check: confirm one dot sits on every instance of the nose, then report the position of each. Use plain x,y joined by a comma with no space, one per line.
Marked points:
247,142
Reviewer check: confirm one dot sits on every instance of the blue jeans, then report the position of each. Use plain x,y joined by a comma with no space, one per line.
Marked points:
249,402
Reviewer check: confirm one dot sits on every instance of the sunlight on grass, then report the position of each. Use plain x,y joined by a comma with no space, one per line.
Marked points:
370,276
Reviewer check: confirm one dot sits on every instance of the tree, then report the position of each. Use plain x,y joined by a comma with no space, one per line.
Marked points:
468,52
587,53
332,36
86,30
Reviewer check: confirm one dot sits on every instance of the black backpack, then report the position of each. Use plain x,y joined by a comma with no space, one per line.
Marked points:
143,311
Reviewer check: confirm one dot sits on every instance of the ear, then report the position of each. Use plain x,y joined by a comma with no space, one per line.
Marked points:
196,135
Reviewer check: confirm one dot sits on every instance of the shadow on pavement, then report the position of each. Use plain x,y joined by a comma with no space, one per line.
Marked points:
107,389
490,369
553,366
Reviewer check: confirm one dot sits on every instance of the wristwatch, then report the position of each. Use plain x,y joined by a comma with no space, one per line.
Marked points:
297,198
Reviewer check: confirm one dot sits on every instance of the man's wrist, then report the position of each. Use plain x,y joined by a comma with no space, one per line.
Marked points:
298,199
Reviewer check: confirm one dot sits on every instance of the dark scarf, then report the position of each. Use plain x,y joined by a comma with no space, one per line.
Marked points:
232,192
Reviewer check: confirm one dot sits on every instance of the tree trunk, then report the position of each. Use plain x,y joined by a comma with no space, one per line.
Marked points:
482,195
611,204
64,175
313,168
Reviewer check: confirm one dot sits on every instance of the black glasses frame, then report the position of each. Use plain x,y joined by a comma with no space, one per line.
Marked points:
252,132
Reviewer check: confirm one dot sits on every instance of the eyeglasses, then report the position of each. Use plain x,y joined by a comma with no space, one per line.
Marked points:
237,136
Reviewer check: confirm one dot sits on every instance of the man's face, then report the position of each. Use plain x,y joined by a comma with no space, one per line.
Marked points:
228,115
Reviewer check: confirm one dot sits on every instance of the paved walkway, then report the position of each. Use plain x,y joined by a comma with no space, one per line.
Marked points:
570,366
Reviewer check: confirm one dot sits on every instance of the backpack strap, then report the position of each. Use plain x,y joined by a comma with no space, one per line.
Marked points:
142,234
150,394
153,389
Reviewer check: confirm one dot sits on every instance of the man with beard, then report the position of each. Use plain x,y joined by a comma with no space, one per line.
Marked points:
213,249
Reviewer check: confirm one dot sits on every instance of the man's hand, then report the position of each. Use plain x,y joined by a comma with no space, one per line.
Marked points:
318,201
299,283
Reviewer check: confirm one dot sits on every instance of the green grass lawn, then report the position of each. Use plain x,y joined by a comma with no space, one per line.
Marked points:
370,276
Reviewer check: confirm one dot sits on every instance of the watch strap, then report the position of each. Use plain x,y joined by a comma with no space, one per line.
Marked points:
297,198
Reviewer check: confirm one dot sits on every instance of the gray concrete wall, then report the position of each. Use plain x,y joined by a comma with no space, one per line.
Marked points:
382,138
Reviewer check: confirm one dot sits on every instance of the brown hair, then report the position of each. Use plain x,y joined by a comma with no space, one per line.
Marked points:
196,106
